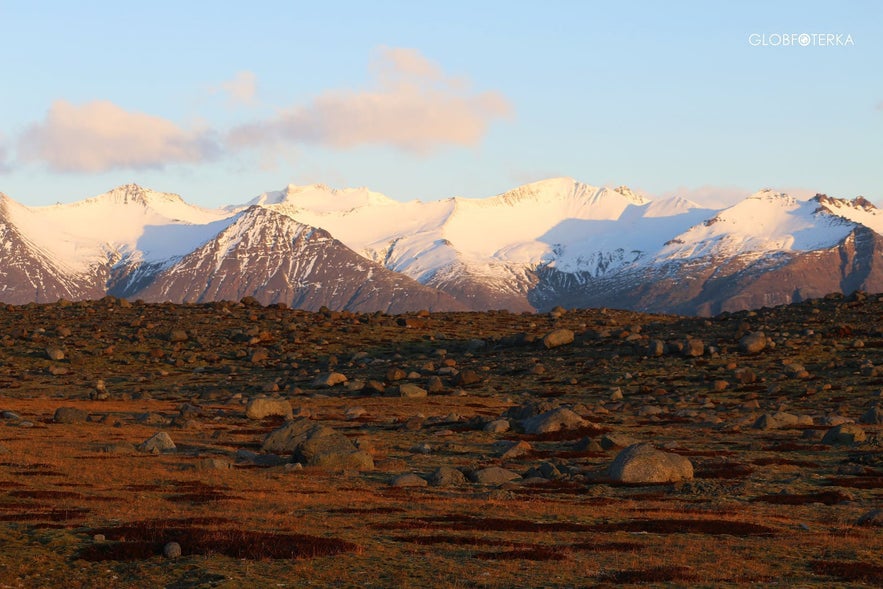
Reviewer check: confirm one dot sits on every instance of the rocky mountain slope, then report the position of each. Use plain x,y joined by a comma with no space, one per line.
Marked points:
555,242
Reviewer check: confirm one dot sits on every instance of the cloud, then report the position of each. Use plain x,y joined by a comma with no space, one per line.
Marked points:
100,136
880,106
412,105
242,89
5,166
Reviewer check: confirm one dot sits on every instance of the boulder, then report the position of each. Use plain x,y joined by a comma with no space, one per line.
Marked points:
776,420
328,380
873,416
844,435
558,337
261,407
157,443
642,463
411,391
752,343
553,421
446,476
70,415
409,480
493,475
314,444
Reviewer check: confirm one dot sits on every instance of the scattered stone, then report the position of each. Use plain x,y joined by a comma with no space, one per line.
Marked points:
642,463
613,441
778,420
261,407
753,343
847,434
493,475
70,415
172,550
553,421
873,416
693,348
558,337
446,476
328,380
178,336
157,443
56,354
497,426
317,445
409,480
411,391
466,378
512,450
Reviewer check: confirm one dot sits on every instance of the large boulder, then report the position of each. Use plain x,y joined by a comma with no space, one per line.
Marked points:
314,444
642,463
752,343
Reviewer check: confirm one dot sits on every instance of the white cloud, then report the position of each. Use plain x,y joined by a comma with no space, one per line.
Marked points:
412,105
242,89
100,136
5,166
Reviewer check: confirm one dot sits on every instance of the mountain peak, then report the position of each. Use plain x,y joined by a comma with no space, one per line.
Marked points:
858,202
136,194
630,195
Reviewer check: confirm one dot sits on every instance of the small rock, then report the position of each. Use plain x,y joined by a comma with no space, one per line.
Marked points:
497,426
493,475
693,348
411,391
172,550
261,407
409,480
558,337
70,415
844,435
873,416
178,336
55,354
157,443
752,343
553,421
328,380
446,476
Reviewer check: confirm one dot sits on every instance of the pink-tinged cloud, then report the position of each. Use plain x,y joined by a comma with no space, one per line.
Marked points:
100,136
5,166
412,105
242,89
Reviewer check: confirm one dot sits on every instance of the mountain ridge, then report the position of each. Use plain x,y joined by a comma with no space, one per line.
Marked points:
545,243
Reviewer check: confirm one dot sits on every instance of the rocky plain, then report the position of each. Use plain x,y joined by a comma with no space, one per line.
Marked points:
232,444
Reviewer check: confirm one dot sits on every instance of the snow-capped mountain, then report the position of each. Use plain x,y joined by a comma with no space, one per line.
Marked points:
558,241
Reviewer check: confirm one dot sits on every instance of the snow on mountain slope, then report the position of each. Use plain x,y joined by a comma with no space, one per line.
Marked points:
489,237
765,222
276,259
858,210
128,220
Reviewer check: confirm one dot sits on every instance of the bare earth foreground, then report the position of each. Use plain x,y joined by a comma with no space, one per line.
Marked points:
508,440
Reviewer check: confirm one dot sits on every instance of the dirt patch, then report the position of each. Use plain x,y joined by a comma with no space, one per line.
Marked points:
145,539
824,497
849,570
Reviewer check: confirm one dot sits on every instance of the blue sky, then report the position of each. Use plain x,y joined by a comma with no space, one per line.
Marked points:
221,101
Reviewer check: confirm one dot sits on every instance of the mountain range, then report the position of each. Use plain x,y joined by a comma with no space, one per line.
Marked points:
554,242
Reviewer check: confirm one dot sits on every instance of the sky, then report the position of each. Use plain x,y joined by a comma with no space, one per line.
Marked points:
221,101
